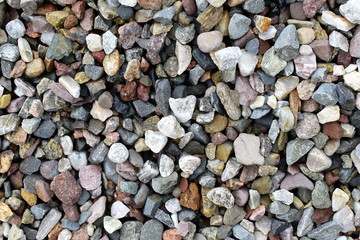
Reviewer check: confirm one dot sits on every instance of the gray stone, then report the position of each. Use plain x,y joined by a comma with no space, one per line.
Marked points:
320,197
232,168
98,153
144,109
234,215
254,6
30,165
326,94
251,144
287,44
109,41
39,210
148,171
221,196
9,123
185,34
195,74
15,28
130,230
164,218
297,148
162,95
45,130
278,207
306,223
152,229
55,51
326,231
128,187
50,220
94,72
238,26
242,233
84,216
164,185
9,52
68,224
165,15
141,195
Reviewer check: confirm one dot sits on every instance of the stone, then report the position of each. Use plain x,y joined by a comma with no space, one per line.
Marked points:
111,224
242,233
25,50
97,209
15,28
317,161
188,163
8,123
183,108
238,26
247,63
351,79
152,229
252,155
223,91
271,63
329,114
336,21
183,54
119,210
148,171
221,196
338,40
60,47
170,127
60,186
350,11
326,94
329,230
305,35
287,44
164,185
49,221
70,85
338,199
94,42
286,119
166,165
320,195
5,212
155,140
118,153
191,197
345,217
209,41
296,149
90,177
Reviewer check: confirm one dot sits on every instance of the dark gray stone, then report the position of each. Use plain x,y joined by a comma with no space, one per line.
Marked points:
287,45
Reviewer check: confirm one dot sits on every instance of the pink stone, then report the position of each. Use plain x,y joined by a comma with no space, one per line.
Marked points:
241,196
90,138
305,65
231,133
355,44
15,105
63,69
298,180
297,11
71,212
248,173
258,213
129,33
312,6
183,228
256,83
90,177
218,138
247,94
88,20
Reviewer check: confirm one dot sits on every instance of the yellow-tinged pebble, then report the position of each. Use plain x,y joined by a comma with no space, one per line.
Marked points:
29,197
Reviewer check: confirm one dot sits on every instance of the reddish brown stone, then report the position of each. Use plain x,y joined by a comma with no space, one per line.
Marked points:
322,215
99,56
241,42
49,64
143,92
189,6
331,78
45,8
333,130
136,213
43,190
322,49
71,21
30,30
263,46
16,180
120,196
127,91
55,232
234,184
13,168
144,65
330,178
15,219
150,4
191,198
18,69
78,9
71,212
312,6
62,69
344,118
184,184
61,185
258,213
343,58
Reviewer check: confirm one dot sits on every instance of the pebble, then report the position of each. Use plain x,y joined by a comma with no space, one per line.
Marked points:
188,164
170,127
209,41
338,199
49,221
90,177
272,64
252,144
111,224
118,153
350,11
155,140
221,196
60,185
15,28
238,26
